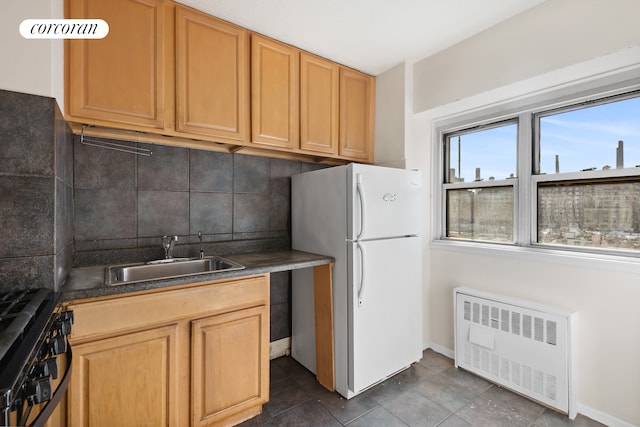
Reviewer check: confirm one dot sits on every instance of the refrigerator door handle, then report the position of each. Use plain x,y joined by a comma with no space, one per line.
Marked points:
362,270
360,192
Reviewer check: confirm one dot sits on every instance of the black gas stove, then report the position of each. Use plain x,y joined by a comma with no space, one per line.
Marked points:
33,332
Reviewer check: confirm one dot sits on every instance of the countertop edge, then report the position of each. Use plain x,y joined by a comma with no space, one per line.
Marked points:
88,282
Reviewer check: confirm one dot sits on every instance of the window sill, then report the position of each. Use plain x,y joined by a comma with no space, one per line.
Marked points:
570,258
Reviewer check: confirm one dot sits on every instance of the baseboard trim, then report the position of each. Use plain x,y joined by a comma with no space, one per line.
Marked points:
583,409
280,348
442,350
601,417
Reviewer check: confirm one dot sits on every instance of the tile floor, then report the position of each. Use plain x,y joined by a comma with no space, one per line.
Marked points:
432,392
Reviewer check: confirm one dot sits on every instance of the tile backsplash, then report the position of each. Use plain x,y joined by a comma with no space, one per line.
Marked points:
64,204
36,192
125,202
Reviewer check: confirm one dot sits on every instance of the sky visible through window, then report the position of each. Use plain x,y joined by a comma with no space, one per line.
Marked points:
582,139
588,138
493,150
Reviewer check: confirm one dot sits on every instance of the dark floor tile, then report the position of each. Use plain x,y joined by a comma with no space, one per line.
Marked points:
379,417
291,368
413,375
387,390
500,408
283,396
447,393
345,410
435,362
462,378
527,408
262,420
416,410
276,373
454,421
551,418
308,414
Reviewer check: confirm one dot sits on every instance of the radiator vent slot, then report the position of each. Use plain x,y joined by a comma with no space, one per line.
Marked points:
522,346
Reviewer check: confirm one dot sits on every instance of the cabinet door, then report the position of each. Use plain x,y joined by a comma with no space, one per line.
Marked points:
318,104
129,380
274,93
119,78
212,76
357,92
230,365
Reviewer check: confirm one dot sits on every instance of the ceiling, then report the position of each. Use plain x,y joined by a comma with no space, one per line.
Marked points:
369,35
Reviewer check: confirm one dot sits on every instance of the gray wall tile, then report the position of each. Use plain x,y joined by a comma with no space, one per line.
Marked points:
211,213
163,213
210,171
280,172
250,213
96,167
279,212
280,326
63,215
28,272
280,285
27,134
250,174
27,208
166,169
105,214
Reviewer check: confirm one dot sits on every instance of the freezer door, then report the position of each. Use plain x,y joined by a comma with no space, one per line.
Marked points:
383,202
385,312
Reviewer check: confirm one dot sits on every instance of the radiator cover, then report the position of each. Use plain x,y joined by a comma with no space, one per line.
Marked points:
522,346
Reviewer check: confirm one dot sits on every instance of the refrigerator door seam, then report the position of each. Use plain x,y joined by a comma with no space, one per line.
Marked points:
362,270
360,192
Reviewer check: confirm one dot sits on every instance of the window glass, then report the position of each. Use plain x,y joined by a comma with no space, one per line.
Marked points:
481,213
592,214
484,154
603,136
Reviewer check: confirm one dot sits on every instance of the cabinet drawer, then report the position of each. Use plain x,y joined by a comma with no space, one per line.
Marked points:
127,313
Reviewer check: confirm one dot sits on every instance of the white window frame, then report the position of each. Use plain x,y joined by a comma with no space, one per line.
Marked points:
526,110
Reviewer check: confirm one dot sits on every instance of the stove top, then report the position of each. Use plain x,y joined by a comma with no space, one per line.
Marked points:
18,312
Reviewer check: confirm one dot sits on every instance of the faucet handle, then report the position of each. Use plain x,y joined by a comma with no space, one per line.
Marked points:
167,245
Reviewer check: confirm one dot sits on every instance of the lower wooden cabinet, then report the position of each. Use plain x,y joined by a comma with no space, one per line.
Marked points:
126,380
229,373
195,356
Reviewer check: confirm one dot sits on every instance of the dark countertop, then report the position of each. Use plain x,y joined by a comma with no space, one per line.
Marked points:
88,282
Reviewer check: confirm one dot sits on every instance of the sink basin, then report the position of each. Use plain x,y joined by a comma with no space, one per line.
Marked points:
140,272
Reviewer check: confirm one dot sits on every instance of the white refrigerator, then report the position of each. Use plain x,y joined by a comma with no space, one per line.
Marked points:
368,218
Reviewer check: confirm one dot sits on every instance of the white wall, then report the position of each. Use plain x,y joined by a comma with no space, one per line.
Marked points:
553,35
390,120
551,46
31,66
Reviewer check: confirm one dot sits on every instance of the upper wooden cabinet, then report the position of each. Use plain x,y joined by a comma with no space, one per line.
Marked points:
319,91
186,78
120,78
274,93
357,110
212,76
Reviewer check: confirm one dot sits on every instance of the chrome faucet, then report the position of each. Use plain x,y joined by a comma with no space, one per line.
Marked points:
201,250
167,244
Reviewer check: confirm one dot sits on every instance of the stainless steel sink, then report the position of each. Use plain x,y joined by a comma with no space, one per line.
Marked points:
140,272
